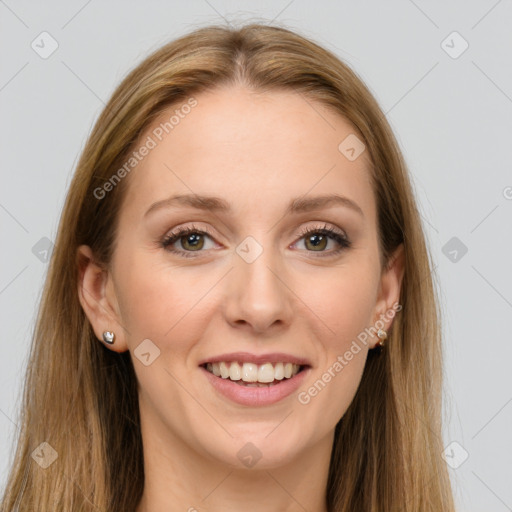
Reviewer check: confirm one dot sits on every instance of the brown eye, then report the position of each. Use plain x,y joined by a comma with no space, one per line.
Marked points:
192,242
190,239
316,242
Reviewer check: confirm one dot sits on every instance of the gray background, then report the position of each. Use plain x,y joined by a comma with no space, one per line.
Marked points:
452,117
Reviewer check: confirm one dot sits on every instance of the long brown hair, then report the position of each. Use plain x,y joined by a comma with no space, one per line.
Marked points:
81,398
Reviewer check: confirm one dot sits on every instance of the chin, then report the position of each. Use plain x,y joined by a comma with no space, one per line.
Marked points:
256,451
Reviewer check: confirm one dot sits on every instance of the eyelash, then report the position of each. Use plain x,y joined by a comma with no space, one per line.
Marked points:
338,237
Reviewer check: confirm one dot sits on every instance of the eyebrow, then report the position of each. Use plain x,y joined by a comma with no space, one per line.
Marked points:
217,204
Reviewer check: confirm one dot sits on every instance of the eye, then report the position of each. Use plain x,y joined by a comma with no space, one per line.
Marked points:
316,240
191,239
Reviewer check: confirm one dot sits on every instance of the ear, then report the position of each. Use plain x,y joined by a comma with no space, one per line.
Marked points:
97,297
390,286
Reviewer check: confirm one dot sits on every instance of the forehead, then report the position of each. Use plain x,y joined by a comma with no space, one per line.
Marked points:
252,148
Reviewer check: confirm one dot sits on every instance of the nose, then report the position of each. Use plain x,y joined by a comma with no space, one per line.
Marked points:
257,296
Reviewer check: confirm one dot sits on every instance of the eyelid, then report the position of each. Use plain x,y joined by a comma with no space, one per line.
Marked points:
179,230
324,227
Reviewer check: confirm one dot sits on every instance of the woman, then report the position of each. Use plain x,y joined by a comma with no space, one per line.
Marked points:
193,351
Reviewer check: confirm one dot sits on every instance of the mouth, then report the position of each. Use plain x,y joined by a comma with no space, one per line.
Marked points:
254,375
255,380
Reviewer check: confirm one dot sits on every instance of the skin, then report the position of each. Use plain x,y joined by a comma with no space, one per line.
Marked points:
257,151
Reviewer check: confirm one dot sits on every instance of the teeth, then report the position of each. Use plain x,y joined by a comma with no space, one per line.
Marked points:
249,372
279,371
224,370
266,373
252,373
235,371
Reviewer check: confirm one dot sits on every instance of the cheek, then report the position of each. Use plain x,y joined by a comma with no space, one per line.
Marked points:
160,302
325,398
342,301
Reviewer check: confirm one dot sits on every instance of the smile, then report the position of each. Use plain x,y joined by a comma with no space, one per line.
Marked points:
253,385
251,374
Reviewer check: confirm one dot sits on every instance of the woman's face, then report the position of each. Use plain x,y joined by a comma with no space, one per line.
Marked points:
256,283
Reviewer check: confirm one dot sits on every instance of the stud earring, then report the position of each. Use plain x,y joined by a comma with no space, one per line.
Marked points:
383,335
108,337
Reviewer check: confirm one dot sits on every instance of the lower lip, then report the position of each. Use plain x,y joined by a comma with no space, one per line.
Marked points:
254,396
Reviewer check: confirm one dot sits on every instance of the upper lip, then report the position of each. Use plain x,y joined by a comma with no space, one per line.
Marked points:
247,357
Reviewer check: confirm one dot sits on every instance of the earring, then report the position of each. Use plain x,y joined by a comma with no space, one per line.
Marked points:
383,335
108,337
